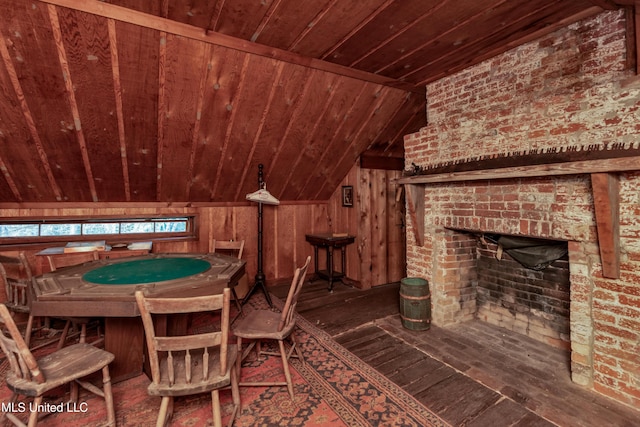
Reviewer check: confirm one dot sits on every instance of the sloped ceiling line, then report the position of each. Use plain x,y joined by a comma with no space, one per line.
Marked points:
247,167
401,106
334,142
162,116
403,129
275,4
484,54
117,88
127,15
311,137
417,20
215,15
206,69
381,95
436,40
326,54
297,109
33,131
230,124
324,11
62,57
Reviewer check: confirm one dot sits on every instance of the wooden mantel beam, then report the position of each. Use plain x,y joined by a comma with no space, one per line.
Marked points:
605,188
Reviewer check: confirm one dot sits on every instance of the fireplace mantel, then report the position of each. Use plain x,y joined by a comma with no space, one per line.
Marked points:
604,185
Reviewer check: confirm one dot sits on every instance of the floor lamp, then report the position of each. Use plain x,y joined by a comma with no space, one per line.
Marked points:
262,197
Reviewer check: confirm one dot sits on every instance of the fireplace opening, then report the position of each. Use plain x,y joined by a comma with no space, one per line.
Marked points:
518,283
523,285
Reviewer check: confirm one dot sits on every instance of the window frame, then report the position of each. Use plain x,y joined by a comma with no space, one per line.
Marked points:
189,234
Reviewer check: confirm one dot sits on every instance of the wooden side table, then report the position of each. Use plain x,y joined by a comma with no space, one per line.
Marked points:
329,242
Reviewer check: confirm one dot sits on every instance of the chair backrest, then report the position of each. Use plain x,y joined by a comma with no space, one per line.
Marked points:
75,258
21,360
287,319
17,282
183,346
235,246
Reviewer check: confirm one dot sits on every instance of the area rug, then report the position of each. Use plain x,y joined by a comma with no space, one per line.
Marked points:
333,388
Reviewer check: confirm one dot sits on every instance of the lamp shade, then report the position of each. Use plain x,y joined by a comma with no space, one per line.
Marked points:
262,196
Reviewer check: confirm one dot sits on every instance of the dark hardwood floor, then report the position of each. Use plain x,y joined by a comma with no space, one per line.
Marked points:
472,374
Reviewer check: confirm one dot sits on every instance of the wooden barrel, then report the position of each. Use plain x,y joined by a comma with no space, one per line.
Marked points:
415,303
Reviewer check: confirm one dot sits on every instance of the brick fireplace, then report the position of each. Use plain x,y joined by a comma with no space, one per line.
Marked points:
569,89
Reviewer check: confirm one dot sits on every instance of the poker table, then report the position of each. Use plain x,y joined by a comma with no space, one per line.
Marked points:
106,288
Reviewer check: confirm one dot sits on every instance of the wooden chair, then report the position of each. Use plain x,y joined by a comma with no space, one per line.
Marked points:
17,288
56,263
75,258
192,363
33,377
269,325
235,247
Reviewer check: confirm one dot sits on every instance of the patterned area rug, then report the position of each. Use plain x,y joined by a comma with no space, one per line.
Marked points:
333,388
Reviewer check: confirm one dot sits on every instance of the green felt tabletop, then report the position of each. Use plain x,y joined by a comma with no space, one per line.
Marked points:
146,271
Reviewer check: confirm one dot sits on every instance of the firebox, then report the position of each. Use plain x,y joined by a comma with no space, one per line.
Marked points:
523,285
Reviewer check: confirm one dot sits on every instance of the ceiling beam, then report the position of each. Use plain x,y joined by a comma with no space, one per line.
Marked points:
161,24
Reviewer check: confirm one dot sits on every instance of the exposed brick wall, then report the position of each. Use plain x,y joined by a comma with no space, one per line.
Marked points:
568,89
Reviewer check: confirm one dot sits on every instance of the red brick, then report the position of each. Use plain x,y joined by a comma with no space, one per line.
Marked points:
629,301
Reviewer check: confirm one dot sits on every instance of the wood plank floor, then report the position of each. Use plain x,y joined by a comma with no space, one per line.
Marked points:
472,374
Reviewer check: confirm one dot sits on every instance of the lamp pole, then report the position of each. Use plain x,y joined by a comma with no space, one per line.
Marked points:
260,277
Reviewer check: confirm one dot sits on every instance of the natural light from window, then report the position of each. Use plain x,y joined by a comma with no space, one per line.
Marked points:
95,228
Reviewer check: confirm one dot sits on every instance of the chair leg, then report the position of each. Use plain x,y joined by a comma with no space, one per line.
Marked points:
296,346
236,299
235,391
239,360
75,392
285,367
83,333
33,417
165,411
27,332
215,407
108,396
63,336
235,394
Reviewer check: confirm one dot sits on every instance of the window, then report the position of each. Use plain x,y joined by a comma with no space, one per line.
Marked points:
113,229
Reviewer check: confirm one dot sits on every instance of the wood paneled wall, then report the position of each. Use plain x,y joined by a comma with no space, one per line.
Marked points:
284,228
376,219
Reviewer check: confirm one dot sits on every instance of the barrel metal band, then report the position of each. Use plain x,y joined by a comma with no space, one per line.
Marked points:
415,320
415,298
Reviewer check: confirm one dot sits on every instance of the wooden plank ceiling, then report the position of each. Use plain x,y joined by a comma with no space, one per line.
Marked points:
180,100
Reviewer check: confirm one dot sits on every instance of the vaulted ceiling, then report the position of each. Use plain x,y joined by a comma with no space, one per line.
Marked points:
180,100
